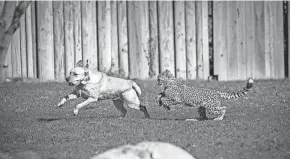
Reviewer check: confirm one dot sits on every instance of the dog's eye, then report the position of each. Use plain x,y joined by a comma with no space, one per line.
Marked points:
75,74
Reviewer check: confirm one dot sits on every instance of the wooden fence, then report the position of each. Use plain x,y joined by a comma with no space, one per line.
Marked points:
248,40
141,39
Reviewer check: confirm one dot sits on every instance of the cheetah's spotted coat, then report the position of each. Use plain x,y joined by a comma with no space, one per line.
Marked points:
174,92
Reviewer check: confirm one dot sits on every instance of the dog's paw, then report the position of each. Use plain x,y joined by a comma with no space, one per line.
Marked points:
59,105
166,107
76,111
191,120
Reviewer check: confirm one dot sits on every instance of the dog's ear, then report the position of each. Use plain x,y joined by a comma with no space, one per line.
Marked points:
87,64
79,63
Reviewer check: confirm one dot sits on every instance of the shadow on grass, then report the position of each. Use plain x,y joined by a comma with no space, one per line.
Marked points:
112,117
75,118
178,119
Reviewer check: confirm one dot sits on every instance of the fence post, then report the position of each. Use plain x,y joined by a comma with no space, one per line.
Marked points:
241,40
23,45
89,33
179,26
123,39
220,38
138,26
279,40
190,31
202,39
288,38
114,38
154,41
260,40
16,54
58,36
232,40
29,42
205,41
69,45
104,34
45,40
165,14
77,29
250,39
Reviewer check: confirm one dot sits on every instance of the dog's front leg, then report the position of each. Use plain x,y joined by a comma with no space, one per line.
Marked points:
86,102
73,95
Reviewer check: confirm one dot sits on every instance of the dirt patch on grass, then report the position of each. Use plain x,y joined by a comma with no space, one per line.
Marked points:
254,127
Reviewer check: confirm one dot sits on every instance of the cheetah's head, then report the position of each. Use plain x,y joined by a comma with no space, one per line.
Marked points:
164,77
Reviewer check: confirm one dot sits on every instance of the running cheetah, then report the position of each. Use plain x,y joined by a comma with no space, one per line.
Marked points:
174,92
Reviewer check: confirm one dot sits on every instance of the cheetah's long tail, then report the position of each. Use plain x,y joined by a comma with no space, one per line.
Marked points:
240,93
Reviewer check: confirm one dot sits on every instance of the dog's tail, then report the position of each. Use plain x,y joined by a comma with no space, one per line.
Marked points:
239,93
136,88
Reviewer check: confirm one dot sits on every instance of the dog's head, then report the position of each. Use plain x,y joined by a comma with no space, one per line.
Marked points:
164,77
79,74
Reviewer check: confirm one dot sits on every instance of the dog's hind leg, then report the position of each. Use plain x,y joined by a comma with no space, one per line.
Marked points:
131,99
144,110
119,104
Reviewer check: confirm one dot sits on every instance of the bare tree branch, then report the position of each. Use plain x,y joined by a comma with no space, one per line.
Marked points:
9,22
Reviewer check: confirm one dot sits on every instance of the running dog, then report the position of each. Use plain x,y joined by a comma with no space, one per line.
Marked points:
93,85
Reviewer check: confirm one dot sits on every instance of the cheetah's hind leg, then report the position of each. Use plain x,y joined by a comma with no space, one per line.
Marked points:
221,111
202,114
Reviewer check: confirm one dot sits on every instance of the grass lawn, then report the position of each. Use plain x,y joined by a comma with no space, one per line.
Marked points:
254,127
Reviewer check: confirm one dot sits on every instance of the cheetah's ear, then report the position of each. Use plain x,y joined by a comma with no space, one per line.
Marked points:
87,64
79,63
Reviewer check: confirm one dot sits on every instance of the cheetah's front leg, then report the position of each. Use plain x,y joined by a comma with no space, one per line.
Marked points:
166,102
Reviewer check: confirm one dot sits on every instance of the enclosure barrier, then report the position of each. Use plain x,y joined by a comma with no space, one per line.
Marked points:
193,39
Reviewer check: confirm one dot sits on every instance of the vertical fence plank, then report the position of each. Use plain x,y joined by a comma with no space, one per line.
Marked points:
220,38
45,40
260,41
190,30
3,73
123,39
199,39
232,40
279,40
250,39
1,6
154,41
58,36
34,39
8,61
269,39
241,40
165,14
288,3
23,46
69,45
104,33
138,39
114,38
29,44
16,54
77,30
179,26
205,41
89,33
